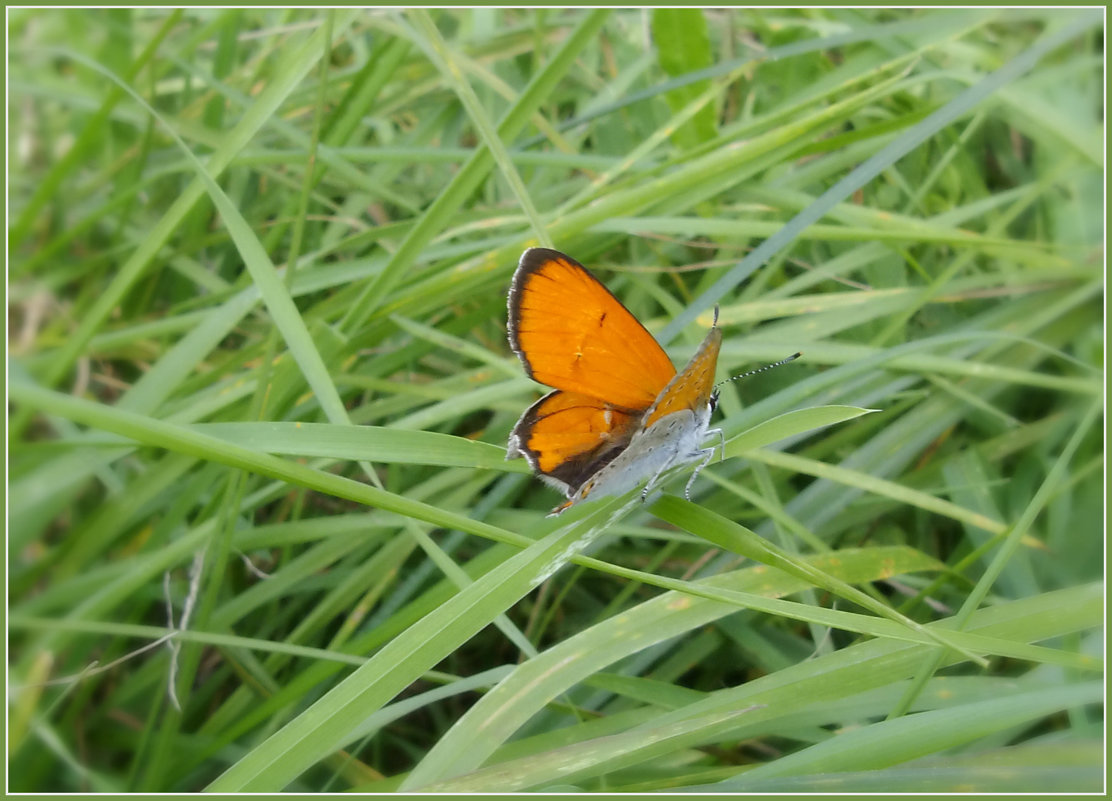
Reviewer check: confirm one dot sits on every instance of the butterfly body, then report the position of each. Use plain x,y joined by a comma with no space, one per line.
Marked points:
619,413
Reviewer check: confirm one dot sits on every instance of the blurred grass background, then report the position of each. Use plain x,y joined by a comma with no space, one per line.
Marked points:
258,380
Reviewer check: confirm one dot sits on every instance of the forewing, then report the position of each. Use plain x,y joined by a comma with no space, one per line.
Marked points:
693,386
572,334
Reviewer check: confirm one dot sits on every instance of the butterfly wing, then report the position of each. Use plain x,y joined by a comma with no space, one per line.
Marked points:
669,433
572,334
693,387
567,437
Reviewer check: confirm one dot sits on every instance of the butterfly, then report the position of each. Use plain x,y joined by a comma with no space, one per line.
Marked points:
619,412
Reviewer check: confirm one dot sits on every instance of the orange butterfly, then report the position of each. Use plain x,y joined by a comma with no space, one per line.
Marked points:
619,412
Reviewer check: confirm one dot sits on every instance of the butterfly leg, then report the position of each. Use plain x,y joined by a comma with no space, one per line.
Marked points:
656,476
721,441
691,481
649,485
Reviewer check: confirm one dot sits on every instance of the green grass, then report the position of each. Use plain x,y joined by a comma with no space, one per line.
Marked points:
258,374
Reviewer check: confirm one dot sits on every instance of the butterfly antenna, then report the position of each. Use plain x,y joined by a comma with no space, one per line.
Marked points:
791,358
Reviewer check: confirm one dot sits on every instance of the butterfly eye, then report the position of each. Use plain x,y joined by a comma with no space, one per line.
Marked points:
713,400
